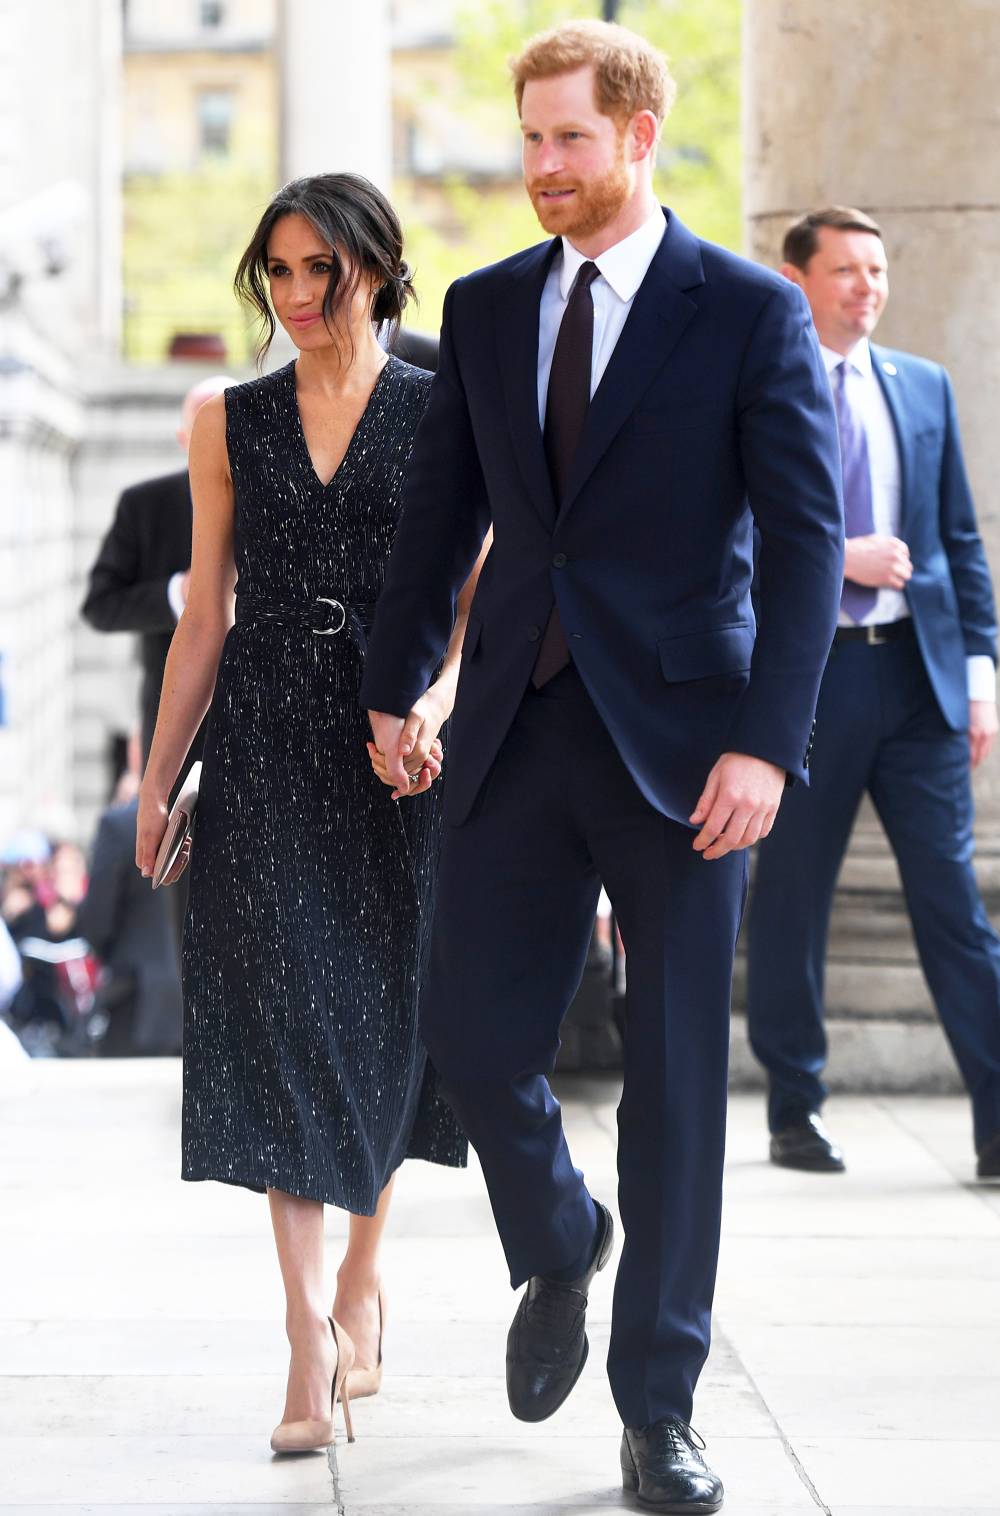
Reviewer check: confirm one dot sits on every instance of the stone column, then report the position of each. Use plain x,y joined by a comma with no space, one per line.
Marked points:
893,108
59,312
336,111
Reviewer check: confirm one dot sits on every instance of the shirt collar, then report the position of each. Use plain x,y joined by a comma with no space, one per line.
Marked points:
624,266
859,358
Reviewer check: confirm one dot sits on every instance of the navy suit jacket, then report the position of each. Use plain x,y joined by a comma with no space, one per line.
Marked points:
715,395
950,594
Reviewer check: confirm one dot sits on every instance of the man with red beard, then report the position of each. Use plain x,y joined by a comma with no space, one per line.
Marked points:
622,403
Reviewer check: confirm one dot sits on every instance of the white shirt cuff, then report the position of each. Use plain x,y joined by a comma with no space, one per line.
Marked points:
175,595
982,677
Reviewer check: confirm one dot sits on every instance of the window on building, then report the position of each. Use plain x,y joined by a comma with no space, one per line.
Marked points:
215,120
212,13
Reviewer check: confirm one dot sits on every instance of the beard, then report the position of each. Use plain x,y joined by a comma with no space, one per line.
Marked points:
593,205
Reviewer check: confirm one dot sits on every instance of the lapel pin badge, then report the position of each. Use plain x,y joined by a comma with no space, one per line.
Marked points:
889,368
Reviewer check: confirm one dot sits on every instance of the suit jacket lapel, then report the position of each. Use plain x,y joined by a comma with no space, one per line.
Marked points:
660,312
892,386
517,341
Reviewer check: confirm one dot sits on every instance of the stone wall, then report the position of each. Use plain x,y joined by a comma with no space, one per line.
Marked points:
892,108
40,423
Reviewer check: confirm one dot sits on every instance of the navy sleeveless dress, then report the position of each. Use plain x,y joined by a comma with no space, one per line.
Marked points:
311,890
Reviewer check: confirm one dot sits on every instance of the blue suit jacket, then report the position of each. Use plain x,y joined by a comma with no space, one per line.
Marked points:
715,395
950,595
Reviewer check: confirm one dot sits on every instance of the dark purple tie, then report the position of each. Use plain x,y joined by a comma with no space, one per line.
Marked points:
566,404
859,521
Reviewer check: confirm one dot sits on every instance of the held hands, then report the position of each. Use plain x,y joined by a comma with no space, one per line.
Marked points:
983,727
402,749
738,804
877,562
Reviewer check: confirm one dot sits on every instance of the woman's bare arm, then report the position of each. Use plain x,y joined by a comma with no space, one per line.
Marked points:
446,683
193,660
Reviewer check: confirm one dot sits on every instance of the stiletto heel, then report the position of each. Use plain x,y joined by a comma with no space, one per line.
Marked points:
345,1363
363,1382
345,1400
310,1436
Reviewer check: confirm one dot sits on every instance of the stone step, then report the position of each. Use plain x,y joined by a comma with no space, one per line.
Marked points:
872,927
869,933
876,870
864,990
866,1057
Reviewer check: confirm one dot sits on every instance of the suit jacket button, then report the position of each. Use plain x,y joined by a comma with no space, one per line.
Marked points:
534,632
559,561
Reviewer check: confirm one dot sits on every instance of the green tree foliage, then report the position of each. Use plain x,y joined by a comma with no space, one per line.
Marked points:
699,164
184,234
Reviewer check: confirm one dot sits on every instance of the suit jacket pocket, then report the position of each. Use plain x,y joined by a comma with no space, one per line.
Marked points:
699,655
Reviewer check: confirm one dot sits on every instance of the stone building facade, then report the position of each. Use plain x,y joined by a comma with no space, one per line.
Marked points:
892,108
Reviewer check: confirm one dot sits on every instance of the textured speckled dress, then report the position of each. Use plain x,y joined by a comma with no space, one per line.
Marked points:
311,890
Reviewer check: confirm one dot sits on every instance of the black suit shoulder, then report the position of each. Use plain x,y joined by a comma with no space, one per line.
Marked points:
727,269
726,273
148,540
166,489
494,279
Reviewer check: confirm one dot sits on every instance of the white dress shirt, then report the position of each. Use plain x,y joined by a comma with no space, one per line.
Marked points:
621,271
175,594
865,397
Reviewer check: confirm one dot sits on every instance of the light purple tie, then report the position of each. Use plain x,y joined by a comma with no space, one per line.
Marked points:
859,521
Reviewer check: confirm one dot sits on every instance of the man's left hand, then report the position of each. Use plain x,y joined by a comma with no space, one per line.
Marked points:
983,727
738,804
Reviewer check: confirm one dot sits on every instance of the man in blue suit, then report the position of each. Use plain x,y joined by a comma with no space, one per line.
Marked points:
609,401
908,704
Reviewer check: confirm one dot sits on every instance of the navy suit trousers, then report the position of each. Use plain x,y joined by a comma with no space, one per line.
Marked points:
520,878
878,728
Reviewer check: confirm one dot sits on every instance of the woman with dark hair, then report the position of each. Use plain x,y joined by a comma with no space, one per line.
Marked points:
311,889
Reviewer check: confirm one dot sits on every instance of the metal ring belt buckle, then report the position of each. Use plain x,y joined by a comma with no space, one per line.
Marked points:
330,631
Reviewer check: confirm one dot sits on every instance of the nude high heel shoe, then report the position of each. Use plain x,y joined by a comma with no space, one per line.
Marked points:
363,1382
309,1436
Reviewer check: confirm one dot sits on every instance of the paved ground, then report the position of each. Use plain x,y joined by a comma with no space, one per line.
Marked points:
856,1368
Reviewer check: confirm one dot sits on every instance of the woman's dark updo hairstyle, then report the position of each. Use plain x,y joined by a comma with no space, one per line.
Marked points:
356,220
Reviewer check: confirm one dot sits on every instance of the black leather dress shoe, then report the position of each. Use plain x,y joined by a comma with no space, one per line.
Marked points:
547,1343
806,1144
988,1160
662,1464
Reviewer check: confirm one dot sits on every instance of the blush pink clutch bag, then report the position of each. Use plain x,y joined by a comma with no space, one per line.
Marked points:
175,849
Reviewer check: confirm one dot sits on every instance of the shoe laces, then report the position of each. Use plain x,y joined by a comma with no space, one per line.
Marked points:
551,1305
677,1437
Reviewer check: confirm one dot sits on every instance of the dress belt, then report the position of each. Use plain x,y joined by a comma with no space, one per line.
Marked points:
324,616
889,631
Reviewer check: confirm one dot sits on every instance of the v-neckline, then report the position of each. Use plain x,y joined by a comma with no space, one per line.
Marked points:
351,440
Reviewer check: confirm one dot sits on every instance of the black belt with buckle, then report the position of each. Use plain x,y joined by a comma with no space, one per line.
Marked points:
874,636
323,616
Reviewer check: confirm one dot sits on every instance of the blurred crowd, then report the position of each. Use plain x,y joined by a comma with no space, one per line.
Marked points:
88,960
